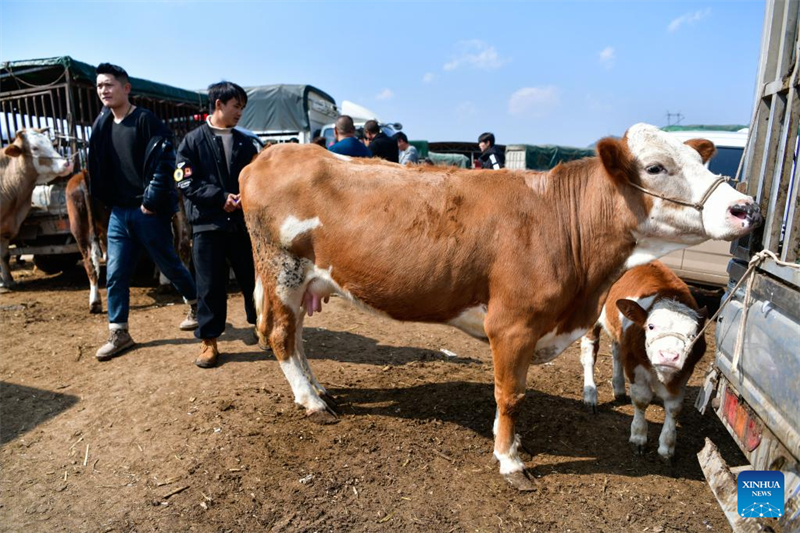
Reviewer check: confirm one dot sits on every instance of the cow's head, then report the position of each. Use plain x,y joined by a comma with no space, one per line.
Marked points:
669,329
688,204
34,146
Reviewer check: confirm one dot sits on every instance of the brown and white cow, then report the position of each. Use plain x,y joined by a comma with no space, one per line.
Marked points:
88,223
28,161
521,259
652,318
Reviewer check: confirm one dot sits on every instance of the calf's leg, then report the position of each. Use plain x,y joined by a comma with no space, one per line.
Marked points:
5,268
641,394
666,441
617,375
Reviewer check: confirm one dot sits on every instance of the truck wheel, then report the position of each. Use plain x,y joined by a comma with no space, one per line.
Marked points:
53,264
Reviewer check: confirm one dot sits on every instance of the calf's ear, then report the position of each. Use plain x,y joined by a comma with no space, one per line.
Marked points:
632,311
704,147
617,159
12,150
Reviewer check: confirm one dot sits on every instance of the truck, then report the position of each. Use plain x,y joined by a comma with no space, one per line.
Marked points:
287,113
753,385
59,93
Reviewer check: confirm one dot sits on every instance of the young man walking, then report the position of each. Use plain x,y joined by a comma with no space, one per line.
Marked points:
131,161
210,159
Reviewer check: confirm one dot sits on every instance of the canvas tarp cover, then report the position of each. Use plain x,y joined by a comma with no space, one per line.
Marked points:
452,160
18,75
547,156
724,127
278,108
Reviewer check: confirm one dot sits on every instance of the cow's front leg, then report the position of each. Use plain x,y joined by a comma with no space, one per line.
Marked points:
590,344
512,348
666,441
641,394
7,281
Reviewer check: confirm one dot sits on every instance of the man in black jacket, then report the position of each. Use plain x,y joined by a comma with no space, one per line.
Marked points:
210,159
491,158
379,143
131,161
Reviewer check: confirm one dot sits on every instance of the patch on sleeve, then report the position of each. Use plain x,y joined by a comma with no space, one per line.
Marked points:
182,172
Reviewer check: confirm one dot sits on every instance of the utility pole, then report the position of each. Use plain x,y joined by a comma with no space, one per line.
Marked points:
678,118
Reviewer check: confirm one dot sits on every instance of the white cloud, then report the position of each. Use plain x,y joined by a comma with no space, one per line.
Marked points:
385,94
428,77
534,101
607,57
688,18
466,108
476,54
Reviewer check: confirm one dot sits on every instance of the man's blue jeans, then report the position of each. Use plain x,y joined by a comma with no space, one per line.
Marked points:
130,230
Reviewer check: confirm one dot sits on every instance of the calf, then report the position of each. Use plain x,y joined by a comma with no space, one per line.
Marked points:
28,161
651,318
523,260
88,222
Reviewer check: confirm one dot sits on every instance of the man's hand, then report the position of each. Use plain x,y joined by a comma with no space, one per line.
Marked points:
232,203
147,211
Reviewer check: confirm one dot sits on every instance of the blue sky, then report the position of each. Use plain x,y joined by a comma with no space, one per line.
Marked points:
561,72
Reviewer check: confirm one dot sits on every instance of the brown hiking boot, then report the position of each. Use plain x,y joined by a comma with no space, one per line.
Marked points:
208,355
119,340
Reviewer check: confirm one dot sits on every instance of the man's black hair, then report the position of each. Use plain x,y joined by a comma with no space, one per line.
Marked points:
114,70
487,138
345,124
400,136
225,91
371,127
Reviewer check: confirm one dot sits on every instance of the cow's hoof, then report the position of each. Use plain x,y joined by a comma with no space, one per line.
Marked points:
621,399
6,288
638,449
590,407
96,308
520,480
330,401
323,418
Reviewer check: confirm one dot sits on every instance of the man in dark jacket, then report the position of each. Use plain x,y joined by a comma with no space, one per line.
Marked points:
491,158
210,159
379,143
131,161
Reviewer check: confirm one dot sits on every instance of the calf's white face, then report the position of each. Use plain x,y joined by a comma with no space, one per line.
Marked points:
669,327
676,170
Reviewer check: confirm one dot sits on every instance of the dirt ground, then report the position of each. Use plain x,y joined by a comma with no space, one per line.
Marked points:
149,442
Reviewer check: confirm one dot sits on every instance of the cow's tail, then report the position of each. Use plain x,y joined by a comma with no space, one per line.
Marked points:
259,302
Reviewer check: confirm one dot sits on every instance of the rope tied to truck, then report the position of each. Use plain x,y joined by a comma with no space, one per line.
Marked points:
748,277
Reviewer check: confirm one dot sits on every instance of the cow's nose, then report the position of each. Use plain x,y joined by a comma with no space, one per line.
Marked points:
668,356
749,211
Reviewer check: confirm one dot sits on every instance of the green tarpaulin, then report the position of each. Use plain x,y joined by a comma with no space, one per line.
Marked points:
17,75
543,157
279,107
725,127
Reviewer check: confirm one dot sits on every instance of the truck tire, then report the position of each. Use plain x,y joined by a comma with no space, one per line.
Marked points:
53,264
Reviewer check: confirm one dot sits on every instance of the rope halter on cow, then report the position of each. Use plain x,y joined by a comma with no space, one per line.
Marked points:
698,206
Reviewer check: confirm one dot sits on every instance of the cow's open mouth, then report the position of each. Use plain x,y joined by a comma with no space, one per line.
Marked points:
739,212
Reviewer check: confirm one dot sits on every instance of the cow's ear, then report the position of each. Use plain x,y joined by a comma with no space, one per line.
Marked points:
616,159
632,311
704,147
12,150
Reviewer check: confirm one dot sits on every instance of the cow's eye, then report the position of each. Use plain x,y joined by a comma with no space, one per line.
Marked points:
651,327
655,169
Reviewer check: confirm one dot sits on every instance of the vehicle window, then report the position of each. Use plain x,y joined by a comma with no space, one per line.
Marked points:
726,161
330,136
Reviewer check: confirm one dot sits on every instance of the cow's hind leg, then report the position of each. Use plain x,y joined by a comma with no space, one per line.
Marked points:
590,344
300,351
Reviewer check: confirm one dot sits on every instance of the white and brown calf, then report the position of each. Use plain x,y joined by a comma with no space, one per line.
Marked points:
651,318
523,260
28,161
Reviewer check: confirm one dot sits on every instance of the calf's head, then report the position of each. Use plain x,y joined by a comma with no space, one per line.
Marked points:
688,204
668,328
35,147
